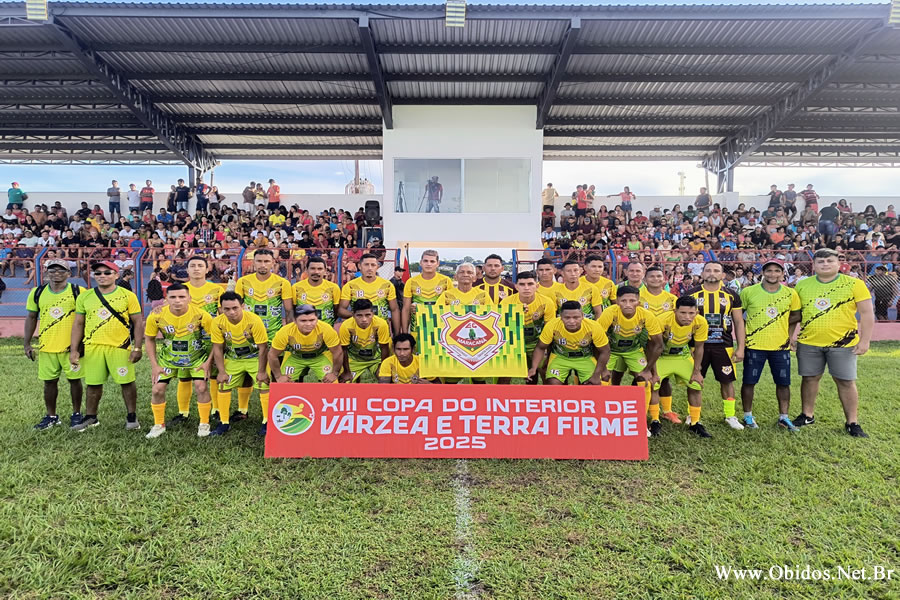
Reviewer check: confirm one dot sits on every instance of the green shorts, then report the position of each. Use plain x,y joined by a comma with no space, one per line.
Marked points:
100,363
559,367
297,368
632,360
52,364
238,370
679,368
358,368
181,373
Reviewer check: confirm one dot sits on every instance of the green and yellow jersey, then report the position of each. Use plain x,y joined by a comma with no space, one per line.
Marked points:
419,290
364,345
392,368
182,344
265,299
828,317
577,344
101,327
536,313
379,292
768,315
677,338
627,334
454,296
607,289
323,297
660,303
586,294
240,341
56,314
206,296
549,291
308,345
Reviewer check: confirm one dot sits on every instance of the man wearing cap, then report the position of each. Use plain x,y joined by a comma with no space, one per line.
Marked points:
16,196
830,335
771,311
104,318
53,304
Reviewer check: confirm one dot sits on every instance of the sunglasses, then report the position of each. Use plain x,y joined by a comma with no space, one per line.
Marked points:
107,272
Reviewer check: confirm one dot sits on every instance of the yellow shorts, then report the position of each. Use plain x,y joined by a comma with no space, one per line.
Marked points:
53,364
100,363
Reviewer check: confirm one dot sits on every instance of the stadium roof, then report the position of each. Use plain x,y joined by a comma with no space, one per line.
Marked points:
195,83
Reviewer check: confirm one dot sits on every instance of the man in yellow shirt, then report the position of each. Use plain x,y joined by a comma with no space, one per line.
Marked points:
317,291
464,293
403,366
656,299
182,353
593,274
240,351
53,304
366,340
546,274
104,319
576,345
309,341
536,309
423,289
379,291
572,288
830,336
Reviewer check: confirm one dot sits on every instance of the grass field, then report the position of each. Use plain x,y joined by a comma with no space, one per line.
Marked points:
107,513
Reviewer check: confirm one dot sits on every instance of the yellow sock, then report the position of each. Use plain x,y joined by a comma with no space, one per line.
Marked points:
185,389
264,404
203,408
647,394
728,407
159,413
665,403
244,399
224,406
214,396
654,412
604,382
695,414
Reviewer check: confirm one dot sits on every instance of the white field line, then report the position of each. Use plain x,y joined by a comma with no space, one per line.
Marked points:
466,564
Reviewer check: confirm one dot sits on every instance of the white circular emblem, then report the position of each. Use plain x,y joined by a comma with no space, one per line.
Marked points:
381,293
604,293
325,297
326,369
584,342
723,300
123,371
772,312
75,368
642,361
190,326
103,313
582,300
56,312
502,293
270,292
438,289
667,306
822,303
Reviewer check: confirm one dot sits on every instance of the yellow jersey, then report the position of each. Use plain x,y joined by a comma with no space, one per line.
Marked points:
101,327
549,291
322,297
419,290
240,340
309,345
206,297
586,294
265,299
56,314
379,292
828,317
628,333
365,344
474,296
658,304
768,316
536,313
676,338
607,289
182,336
397,372
573,344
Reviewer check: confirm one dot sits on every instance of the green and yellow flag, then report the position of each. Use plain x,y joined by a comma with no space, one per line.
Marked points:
471,341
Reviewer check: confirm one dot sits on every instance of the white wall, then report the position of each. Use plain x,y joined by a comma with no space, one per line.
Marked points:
463,132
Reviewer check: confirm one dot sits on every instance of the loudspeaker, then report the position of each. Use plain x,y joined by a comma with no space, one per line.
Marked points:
373,212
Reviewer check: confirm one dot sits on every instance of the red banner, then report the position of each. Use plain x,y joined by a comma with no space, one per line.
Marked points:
456,421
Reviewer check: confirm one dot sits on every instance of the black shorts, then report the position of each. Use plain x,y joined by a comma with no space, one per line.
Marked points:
719,357
579,212
273,205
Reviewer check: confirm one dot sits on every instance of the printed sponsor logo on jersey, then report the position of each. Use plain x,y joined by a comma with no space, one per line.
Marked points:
293,415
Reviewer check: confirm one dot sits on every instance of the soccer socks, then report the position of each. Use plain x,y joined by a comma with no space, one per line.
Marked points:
224,406
159,413
185,389
647,394
244,399
695,414
654,412
204,408
214,395
264,404
728,407
665,403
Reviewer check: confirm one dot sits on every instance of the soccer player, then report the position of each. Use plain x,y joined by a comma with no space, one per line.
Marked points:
104,318
635,339
464,293
546,274
424,289
586,294
678,361
772,309
240,350
723,313
378,290
830,335
269,297
317,291
496,288
182,354
308,340
537,310
576,344
366,340
53,304
403,366
593,274
658,301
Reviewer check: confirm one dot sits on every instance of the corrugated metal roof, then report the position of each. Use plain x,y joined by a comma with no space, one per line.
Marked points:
504,64
695,65
235,62
741,114
476,32
687,89
287,89
442,90
272,110
274,142
650,142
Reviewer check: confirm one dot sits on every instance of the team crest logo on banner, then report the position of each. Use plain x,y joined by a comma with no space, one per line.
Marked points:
293,415
471,341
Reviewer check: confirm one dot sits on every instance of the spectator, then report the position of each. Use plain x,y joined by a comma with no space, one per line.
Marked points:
884,291
202,191
182,196
114,196
549,196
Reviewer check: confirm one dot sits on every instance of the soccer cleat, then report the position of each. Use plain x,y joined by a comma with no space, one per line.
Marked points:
656,427
203,430
673,417
734,423
75,419
855,430
803,420
222,429
786,423
156,431
700,430
132,425
750,422
238,416
263,428
178,420
86,423
47,422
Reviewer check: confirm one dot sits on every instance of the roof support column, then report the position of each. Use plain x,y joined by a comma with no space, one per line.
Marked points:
551,86
381,89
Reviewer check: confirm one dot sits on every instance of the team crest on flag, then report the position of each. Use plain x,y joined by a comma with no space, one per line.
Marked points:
472,339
